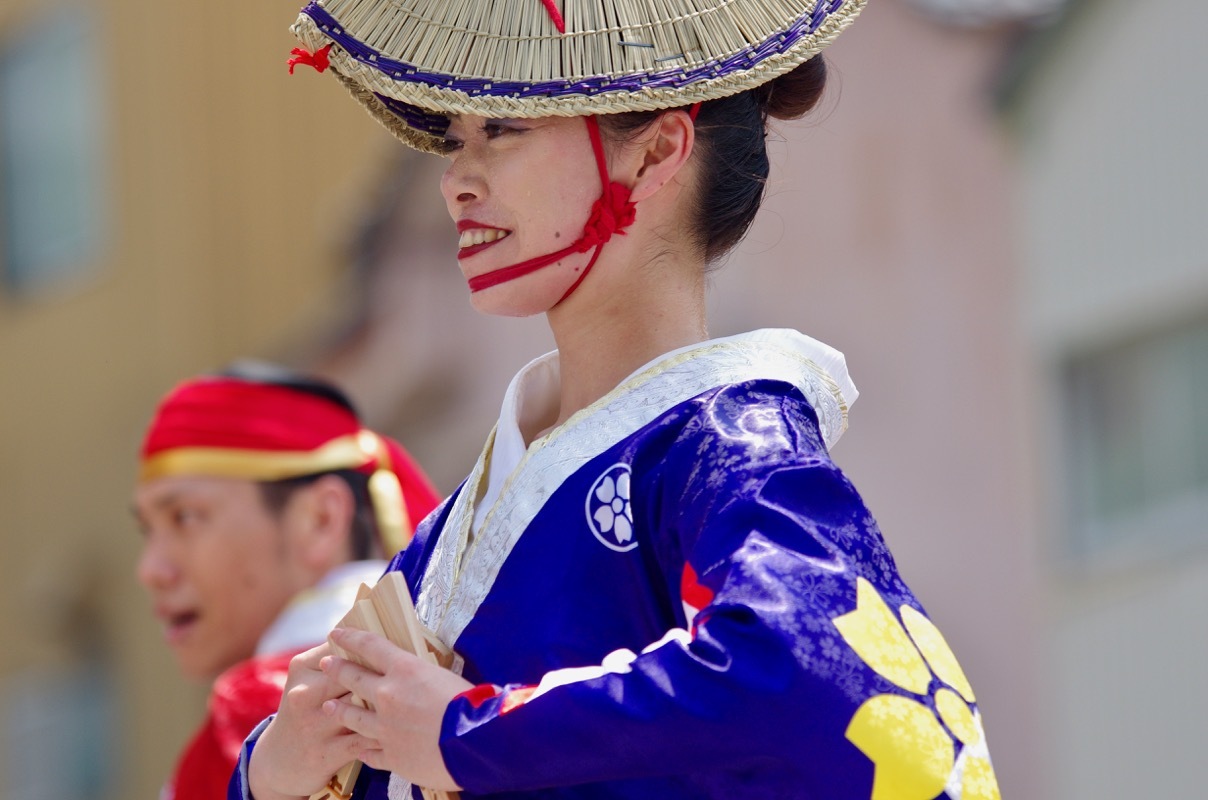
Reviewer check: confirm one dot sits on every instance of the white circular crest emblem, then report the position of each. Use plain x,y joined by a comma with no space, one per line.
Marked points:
609,514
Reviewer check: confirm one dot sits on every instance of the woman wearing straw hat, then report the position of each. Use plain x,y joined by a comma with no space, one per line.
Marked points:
655,580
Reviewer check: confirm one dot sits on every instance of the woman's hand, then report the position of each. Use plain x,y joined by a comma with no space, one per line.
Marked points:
408,697
303,746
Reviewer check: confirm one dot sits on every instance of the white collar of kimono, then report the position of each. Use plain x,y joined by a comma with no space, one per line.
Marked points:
469,561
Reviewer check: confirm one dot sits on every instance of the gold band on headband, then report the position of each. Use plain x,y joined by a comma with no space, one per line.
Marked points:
346,452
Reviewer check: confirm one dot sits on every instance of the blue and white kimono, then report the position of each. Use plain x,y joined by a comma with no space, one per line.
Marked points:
677,594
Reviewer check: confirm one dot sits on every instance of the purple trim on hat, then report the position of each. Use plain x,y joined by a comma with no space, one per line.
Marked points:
414,116
671,78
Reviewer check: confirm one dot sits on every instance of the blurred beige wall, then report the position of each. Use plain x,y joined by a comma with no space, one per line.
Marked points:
228,185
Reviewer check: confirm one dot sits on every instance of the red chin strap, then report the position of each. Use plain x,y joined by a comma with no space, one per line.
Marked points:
612,213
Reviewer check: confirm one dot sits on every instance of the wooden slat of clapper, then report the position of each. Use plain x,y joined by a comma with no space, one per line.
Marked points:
341,784
388,611
392,601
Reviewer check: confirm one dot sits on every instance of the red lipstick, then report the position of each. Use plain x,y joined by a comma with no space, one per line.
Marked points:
468,226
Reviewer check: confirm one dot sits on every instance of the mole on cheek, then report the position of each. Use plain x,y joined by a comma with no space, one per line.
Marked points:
557,234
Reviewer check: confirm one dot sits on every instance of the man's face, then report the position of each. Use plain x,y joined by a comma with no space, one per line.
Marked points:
219,567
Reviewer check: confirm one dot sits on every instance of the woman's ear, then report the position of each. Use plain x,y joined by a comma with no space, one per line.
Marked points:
663,153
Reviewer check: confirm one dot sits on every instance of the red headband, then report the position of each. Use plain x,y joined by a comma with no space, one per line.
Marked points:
233,414
225,427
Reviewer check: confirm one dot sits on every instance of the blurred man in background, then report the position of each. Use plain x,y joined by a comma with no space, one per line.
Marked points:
263,505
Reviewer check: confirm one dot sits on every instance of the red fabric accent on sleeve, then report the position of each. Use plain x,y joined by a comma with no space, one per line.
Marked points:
318,59
479,694
516,698
691,590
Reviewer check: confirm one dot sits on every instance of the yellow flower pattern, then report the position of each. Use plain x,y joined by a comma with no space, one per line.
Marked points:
914,757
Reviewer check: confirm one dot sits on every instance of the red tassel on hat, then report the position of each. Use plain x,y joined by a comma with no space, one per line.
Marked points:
317,59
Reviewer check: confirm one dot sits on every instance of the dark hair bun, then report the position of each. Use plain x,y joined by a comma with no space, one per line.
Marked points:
795,93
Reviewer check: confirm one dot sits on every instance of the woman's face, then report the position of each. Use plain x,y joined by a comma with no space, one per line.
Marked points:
519,189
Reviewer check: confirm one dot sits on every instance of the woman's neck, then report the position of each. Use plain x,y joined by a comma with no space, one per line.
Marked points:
605,333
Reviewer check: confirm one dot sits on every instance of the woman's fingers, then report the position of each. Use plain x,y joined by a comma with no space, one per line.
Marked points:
375,758
309,659
351,677
376,652
295,763
351,746
359,720
305,744
305,697
389,668
307,686
407,698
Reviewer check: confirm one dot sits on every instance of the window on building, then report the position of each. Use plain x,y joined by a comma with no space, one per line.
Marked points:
1138,424
51,153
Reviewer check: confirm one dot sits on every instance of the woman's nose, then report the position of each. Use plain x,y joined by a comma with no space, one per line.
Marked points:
462,182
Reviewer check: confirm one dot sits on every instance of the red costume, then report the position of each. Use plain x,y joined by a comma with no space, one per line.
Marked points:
234,428
241,697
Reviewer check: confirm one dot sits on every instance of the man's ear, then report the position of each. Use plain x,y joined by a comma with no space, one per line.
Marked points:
664,152
321,523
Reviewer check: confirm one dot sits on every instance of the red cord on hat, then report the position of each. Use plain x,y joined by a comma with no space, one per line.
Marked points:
555,15
317,59
611,213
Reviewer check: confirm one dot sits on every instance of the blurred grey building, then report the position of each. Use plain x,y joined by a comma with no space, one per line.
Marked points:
1109,115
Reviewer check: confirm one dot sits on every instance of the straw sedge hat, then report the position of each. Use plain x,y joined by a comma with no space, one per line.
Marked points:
414,62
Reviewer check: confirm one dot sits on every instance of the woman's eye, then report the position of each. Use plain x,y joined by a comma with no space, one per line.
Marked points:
493,130
489,130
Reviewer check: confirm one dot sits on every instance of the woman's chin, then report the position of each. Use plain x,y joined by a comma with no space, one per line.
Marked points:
527,295
504,301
